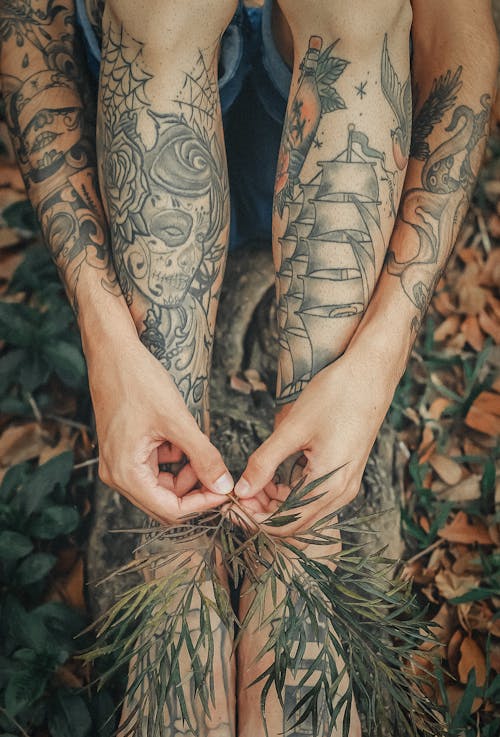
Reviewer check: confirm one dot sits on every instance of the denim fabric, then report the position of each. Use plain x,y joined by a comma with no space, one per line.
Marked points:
253,89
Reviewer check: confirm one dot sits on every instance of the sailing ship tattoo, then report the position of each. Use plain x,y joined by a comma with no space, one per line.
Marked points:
332,248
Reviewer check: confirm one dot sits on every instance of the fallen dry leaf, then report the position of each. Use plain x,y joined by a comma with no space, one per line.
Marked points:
453,651
488,402
466,490
448,327
9,237
473,333
471,657
466,560
475,615
455,695
437,407
445,620
446,468
70,586
443,304
66,442
9,263
418,573
472,298
461,530
20,443
450,585
67,677
427,445
490,274
490,326
485,422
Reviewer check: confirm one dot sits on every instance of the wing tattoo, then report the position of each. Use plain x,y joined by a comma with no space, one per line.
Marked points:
441,98
398,96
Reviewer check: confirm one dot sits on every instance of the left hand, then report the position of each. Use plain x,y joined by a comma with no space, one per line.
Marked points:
334,423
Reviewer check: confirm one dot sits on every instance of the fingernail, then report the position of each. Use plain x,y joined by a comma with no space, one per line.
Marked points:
242,488
224,484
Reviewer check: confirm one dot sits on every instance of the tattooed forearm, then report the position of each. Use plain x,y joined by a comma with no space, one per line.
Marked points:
331,242
47,108
447,143
167,199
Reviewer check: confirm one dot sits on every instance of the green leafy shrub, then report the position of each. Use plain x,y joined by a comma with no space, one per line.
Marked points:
36,516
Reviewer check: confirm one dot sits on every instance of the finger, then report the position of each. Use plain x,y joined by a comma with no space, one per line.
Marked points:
182,483
208,464
162,502
168,453
186,480
279,492
262,464
258,503
137,503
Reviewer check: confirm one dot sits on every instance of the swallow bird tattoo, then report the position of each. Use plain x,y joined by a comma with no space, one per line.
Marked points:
399,98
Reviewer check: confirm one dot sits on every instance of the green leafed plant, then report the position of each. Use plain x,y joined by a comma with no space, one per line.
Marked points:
367,625
37,639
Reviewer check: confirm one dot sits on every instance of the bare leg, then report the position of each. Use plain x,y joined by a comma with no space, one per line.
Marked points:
342,163
164,182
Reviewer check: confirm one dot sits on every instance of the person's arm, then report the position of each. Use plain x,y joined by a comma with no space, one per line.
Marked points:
455,64
49,111
141,417
336,419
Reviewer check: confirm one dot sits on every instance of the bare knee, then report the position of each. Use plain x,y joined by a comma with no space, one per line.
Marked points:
360,24
163,22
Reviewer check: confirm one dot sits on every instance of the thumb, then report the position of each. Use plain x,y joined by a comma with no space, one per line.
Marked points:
208,464
262,464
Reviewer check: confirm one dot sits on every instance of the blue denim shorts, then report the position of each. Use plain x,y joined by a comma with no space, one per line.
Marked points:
253,84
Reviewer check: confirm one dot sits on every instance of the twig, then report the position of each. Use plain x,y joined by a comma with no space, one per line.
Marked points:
36,412
70,423
14,722
85,464
39,417
485,236
422,553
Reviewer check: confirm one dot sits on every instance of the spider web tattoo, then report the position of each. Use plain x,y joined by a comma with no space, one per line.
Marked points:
199,98
123,77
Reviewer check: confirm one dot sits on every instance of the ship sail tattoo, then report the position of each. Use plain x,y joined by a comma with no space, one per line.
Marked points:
330,255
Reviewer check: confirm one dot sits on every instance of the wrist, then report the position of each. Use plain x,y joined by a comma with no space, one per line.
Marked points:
103,315
385,331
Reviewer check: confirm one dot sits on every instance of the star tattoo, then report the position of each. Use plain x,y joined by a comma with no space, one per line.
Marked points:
361,89
317,143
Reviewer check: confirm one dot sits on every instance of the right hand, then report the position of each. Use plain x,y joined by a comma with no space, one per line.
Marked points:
142,421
